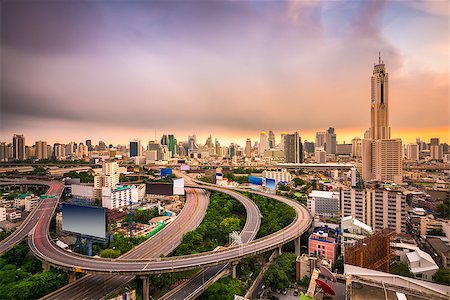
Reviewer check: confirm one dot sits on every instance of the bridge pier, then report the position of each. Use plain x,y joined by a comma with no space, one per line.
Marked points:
72,276
297,246
45,266
233,269
280,250
145,288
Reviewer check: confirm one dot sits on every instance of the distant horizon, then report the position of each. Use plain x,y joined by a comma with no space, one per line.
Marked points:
342,136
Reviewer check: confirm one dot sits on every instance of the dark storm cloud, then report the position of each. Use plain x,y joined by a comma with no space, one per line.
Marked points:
242,65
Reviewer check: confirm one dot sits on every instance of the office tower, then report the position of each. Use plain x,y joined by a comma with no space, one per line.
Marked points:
379,109
59,151
308,146
219,150
436,149
382,160
271,140
381,155
320,156
263,143
135,148
164,140
379,208
356,147
172,142
330,141
89,145
41,150
232,150
19,147
293,148
320,139
155,151
3,152
101,146
412,152
248,148
192,142
282,140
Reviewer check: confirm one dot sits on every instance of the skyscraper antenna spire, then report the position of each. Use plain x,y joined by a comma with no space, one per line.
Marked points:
379,57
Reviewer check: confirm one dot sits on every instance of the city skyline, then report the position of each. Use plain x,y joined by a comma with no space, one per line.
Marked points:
219,79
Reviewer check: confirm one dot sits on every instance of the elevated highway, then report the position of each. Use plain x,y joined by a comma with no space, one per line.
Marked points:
46,250
55,190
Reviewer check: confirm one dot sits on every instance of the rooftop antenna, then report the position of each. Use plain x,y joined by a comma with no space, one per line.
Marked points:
379,57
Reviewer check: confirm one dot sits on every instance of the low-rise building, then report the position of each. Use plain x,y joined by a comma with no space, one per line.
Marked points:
13,215
278,176
119,196
323,203
2,214
323,243
82,191
421,264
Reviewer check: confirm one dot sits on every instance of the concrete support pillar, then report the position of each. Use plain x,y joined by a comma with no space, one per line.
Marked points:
145,288
233,270
297,246
45,266
279,250
72,276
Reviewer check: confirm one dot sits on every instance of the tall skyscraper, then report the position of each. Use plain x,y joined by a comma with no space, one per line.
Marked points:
263,143
330,141
271,140
379,108
320,140
89,145
164,140
19,147
135,148
381,155
41,150
293,148
282,140
356,147
3,152
192,142
248,148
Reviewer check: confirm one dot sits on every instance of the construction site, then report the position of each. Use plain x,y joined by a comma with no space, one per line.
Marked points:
373,252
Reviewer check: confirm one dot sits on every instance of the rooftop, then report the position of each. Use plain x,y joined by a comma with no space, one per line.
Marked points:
321,194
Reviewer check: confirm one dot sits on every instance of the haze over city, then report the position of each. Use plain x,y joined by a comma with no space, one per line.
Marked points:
116,71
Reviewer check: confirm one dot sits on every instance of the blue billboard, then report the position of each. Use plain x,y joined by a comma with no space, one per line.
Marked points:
166,172
87,221
270,183
255,180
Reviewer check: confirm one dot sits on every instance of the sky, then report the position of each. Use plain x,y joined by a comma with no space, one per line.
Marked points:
119,70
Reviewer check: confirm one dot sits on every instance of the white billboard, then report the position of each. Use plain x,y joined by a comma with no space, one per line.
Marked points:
178,186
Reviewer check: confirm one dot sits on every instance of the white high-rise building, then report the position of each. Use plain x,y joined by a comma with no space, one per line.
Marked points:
320,156
378,208
109,178
320,140
263,143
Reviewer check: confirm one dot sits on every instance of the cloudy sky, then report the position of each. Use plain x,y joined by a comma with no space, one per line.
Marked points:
116,70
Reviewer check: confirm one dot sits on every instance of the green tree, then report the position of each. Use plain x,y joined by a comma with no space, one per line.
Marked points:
280,273
110,253
443,210
224,289
230,224
400,268
442,277
298,181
